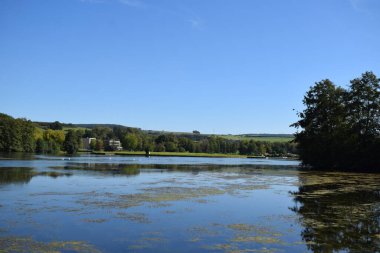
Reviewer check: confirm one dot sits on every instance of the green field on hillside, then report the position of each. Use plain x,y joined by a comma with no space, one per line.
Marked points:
258,138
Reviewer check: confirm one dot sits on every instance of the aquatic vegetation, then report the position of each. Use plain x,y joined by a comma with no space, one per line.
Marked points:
95,220
255,229
150,195
234,248
163,194
257,239
148,242
339,211
331,208
135,217
28,245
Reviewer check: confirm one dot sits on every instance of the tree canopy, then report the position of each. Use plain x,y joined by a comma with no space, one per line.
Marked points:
341,127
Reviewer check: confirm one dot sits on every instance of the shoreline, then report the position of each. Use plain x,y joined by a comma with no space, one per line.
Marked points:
184,154
166,154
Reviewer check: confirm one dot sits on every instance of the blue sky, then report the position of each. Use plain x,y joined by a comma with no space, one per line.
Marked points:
217,66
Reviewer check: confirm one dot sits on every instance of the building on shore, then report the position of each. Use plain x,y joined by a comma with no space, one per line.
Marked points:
86,143
115,145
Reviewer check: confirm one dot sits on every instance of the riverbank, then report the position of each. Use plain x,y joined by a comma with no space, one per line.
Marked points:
176,154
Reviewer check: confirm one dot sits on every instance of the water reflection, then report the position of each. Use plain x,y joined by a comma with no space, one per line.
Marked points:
339,211
122,169
23,175
15,175
16,156
135,169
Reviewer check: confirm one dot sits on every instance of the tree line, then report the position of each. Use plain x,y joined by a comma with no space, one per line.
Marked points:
21,135
340,128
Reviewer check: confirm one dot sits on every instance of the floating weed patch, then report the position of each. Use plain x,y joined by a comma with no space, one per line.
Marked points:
135,217
195,239
234,248
157,196
28,245
261,250
253,229
257,239
290,218
148,243
243,235
94,220
335,183
202,231
221,246
344,206
163,194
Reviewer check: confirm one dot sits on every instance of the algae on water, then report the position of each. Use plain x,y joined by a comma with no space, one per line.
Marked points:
28,245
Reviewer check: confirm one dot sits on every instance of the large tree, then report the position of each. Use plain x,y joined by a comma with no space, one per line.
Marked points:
340,128
364,118
71,144
16,135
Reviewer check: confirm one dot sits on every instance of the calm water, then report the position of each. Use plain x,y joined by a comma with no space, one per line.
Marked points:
138,204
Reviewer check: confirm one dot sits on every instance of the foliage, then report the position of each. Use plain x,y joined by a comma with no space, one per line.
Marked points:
56,125
341,128
71,143
45,139
16,135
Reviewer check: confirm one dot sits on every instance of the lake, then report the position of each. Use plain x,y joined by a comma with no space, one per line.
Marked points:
175,204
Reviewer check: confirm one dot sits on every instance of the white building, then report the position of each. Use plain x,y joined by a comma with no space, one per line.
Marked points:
86,143
115,144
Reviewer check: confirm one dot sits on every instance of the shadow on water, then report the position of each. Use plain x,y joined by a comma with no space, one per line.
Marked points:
135,169
339,211
16,156
119,169
23,175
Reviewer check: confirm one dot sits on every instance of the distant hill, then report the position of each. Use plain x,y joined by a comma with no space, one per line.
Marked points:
91,126
191,135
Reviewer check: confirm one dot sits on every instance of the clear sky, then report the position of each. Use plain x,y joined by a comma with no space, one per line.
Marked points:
217,66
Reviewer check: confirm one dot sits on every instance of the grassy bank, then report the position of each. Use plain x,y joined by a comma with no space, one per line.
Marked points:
179,154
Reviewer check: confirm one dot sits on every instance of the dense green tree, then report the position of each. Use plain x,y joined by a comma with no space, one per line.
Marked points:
52,141
102,133
185,144
56,125
364,106
160,147
16,135
364,120
171,146
99,145
322,120
41,146
71,144
340,128
20,135
130,142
